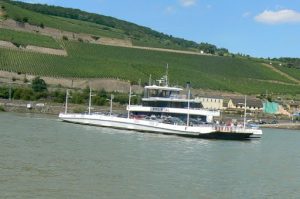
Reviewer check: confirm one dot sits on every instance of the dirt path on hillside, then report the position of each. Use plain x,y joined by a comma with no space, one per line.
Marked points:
274,81
282,73
29,48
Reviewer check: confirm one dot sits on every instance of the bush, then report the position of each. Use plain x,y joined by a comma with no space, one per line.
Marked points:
2,109
39,85
16,44
77,98
23,94
42,25
39,95
25,19
122,99
65,38
4,92
95,38
79,110
25,80
58,96
99,101
18,19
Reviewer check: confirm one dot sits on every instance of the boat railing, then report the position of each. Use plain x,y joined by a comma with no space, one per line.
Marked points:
233,129
198,109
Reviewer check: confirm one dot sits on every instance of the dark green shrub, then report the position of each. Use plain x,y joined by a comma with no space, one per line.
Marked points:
2,109
25,19
65,38
4,92
38,85
95,38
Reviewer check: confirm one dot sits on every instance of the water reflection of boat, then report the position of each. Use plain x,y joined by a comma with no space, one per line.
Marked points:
164,110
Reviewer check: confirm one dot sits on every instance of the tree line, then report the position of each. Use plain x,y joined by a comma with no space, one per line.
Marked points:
131,30
39,91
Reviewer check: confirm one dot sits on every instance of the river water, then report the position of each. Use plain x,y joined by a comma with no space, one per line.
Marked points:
41,157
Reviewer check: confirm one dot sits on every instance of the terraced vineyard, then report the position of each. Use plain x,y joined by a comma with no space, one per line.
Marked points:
238,74
96,61
60,23
77,21
24,39
293,72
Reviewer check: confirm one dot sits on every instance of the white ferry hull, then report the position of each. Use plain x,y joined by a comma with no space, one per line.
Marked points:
205,131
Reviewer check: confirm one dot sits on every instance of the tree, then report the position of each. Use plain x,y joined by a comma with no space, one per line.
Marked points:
208,48
65,38
39,85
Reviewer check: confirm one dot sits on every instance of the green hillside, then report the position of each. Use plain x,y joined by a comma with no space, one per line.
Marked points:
75,20
24,39
34,18
97,61
225,73
293,72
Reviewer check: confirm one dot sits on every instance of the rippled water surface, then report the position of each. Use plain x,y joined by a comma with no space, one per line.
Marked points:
41,157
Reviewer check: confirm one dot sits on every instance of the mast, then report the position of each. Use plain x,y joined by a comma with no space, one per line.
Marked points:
150,80
245,111
66,105
111,99
90,101
188,113
128,115
167,71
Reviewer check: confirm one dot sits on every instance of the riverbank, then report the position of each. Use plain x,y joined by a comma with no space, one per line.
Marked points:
290,125
50,108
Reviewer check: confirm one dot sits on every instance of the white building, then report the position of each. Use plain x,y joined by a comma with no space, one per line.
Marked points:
215,103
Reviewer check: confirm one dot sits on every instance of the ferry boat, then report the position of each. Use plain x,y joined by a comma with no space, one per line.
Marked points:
165,110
